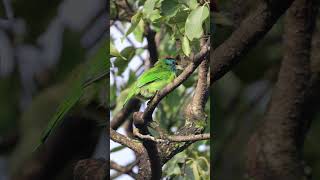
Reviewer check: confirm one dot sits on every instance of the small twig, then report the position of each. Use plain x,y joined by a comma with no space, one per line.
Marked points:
119,118
126,141
196,137
123,169
173,138
146,137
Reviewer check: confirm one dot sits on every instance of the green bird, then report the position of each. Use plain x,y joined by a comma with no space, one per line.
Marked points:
153,80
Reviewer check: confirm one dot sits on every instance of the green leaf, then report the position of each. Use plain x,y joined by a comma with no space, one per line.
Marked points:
116,149
193,26
120,98
113,10
132,78
134,22
180,17
113,94
195,171
155,15
148,7
170,8
192,4
128,53
139,30
114,51
186,46
149,12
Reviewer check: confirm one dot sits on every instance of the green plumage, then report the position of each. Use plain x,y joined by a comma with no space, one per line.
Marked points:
96,70
153,80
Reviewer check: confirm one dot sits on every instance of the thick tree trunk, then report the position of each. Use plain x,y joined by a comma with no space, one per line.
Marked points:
274,151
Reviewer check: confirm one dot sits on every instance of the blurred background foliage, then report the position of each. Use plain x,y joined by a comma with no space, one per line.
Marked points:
240,98
44,48
177,26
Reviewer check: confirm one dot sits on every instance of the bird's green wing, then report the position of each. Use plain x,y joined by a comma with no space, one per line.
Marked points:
152,76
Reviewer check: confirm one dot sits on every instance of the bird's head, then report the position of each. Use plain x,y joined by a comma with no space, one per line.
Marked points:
167,62
170,61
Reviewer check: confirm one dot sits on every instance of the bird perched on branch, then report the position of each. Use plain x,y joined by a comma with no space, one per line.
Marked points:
153,80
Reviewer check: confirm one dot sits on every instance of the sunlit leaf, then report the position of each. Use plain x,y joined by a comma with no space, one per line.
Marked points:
138,31
128,53
180,17
193,26
149,11
192,4
134,22
132,78
149,7
195,171
155,15
186,46
114,52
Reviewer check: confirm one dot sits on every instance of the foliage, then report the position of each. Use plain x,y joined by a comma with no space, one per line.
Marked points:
189,164
179,25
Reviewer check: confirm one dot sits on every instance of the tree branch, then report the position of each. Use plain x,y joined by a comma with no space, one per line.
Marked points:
93,168
155,154
195,117
123,114
274,150
126,141
123,169
251,30
201,93
146,116
177,138
152,47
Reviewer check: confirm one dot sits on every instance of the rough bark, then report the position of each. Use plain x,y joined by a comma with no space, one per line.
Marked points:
274,151
91,169
251,30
